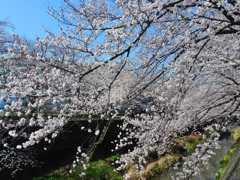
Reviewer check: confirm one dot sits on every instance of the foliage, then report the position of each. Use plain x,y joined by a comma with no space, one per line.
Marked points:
97,170
189,143
162,165
104,168
184,145
225,160
230,153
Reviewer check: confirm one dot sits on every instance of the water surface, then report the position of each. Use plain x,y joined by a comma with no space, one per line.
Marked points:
210,170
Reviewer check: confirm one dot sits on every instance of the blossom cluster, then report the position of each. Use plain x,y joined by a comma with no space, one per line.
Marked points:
167,67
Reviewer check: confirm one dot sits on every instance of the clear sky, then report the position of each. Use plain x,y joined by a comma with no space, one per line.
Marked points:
29,16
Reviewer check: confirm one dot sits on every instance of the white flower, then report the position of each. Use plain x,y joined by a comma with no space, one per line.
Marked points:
22,122
97,132
6,107
19,147
13,133
1,112
32,122
54,135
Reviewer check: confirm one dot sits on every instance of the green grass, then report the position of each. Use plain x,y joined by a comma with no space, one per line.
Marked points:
225,160
97,170
104,170
189,143
227,157
231,134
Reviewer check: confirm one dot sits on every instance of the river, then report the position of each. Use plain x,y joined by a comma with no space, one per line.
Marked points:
209,172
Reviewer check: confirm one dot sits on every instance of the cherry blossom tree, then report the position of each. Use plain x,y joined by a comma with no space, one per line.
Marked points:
5,38
180,56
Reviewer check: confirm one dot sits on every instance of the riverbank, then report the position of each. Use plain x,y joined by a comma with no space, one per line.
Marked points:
224,171
104,169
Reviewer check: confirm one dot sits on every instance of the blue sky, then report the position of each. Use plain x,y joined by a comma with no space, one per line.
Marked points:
29,16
